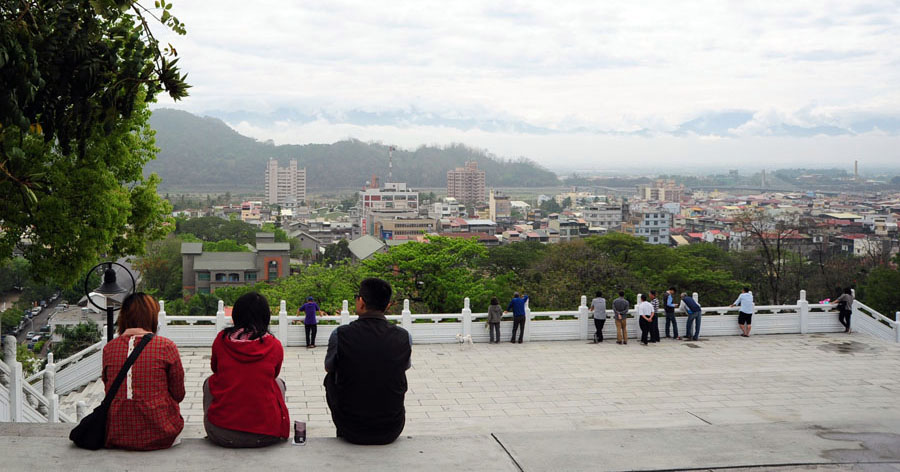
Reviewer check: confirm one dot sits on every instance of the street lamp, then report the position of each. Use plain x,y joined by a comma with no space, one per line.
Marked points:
108,288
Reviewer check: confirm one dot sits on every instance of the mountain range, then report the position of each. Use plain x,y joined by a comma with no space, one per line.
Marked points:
204,154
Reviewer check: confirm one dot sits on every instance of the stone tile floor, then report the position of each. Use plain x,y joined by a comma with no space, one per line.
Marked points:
575,385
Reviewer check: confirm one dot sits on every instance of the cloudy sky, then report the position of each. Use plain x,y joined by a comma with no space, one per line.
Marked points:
572,85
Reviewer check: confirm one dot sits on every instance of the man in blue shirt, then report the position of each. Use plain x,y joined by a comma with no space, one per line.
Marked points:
517,307
310,323
745,314
670,313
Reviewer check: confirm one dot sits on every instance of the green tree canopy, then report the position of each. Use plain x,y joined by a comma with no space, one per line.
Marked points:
75,78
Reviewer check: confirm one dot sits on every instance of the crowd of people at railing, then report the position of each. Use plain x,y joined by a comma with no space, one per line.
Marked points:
244,399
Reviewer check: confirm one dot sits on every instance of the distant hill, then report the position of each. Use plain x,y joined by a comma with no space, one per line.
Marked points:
205,154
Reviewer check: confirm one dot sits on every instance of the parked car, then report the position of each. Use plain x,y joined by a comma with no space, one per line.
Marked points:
29,335
45,329
30,345
36,338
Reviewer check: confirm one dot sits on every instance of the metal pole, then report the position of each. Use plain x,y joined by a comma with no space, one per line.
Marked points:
109,321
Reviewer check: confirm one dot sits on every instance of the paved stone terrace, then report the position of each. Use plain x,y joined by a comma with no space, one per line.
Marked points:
574,385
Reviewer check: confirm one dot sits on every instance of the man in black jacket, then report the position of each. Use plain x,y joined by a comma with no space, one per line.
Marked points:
366,367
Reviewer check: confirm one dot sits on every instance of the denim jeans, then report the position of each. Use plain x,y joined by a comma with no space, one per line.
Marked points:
518,323
670,319
693,318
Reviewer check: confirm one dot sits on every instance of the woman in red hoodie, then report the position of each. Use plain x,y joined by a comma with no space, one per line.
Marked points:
243,400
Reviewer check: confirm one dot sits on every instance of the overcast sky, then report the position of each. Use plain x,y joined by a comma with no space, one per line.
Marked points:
568,84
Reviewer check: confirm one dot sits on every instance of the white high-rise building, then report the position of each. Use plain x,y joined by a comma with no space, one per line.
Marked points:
285,185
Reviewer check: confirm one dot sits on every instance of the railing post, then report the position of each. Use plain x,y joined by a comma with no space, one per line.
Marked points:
897,327
162,324
345,313
696,297
220,316
466,318
9,356
528,320
49,384
583,318
406,316
803,306
16,379
854,310
282,323
81,410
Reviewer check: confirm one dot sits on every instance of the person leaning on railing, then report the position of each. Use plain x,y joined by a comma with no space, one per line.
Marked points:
845,308
144,415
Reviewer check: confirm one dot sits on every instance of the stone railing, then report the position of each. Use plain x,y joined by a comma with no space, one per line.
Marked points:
800,317
20,401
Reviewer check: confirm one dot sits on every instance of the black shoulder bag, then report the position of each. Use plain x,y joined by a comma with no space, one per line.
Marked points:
91,431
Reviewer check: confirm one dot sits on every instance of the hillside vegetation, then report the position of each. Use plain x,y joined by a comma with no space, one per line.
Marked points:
206,154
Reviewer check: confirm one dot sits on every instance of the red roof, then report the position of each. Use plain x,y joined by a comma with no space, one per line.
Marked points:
696,235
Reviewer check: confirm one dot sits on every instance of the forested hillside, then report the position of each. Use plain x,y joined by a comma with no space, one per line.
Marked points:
206,154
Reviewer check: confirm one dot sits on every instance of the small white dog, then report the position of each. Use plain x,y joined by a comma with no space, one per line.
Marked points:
462,340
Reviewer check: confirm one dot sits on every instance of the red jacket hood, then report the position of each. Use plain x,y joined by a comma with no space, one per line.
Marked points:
250,351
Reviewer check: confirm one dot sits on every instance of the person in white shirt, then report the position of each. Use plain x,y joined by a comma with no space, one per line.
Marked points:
645,317
745,314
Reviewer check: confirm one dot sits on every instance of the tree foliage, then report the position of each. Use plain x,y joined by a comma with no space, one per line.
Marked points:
75,78
75,338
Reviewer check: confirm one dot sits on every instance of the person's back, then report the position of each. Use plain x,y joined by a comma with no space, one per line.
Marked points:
517,305
621,307
366,364
144,415
599,305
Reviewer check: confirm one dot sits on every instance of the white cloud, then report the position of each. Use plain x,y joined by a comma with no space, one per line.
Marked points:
567,66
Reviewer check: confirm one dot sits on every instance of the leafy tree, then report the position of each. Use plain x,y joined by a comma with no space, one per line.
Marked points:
161,268
11,318
30,362
225,245
439,273
211,228
75,338
550,206
880,290
337,252
74,83
567,203
14,273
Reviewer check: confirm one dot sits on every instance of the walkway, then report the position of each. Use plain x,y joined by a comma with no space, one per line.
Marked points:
574,385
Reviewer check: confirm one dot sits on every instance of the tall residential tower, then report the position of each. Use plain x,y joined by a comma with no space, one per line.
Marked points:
285,186
466,184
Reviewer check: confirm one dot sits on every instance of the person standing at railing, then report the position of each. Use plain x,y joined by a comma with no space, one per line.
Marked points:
670,313
244,399
598,306
620,312
495,314
845,308
310,323
645,318
144,414
745,312
654,322
517,307
694,313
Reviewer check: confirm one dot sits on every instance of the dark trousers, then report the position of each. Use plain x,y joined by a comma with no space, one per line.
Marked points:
311,330
351,431
670,320
229,437
844,318
518,323
494,331
599,325
654,329
645,329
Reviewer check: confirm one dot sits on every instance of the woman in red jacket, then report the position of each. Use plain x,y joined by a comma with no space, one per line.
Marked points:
243,400
144,414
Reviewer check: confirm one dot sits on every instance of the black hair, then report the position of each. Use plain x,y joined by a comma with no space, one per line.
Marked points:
653,292
621,293
848,291
672,289
599,294
376,293
494,301
644,297
252,314
747,289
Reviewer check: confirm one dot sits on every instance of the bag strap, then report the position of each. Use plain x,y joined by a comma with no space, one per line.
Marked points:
128,363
